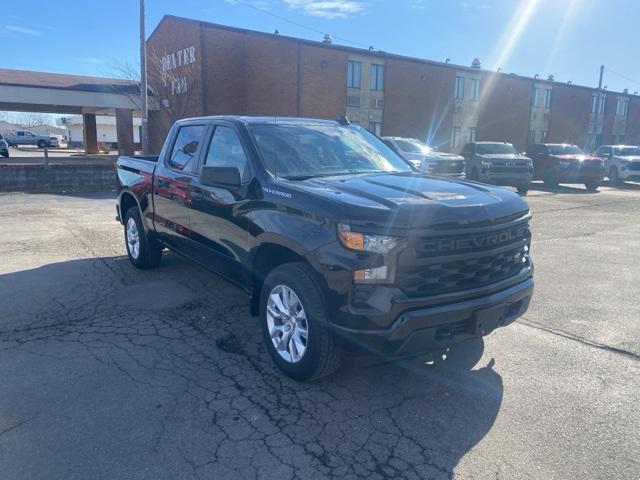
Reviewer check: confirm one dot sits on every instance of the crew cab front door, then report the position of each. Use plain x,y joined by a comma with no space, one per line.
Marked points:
219,226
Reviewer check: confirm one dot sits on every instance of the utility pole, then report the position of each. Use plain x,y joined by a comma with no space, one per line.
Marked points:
143,84
596,127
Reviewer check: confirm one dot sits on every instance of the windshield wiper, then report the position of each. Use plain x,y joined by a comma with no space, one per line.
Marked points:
300,177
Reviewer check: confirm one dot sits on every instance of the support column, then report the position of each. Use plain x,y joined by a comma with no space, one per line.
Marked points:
90,133
124,129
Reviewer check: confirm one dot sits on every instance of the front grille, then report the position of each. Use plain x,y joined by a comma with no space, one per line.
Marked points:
635,166
509,168
443,262
449,167
591,165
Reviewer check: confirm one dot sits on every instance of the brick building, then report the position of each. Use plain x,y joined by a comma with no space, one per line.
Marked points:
200,68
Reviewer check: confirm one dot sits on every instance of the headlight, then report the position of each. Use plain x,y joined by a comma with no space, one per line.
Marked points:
365,242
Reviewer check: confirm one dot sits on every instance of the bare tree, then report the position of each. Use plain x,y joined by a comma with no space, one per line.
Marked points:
34,119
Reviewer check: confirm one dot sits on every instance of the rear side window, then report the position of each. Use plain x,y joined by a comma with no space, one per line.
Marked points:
225,150
184,150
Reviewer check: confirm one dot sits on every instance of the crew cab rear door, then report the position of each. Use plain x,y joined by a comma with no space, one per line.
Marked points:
219,227
173,185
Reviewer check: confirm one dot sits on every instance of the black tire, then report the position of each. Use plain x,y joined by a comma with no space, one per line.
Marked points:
614,177
551,179
6,154
592,185
149,254
42,144
523,189
322,356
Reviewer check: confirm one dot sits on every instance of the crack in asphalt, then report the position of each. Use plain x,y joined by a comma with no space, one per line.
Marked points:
527,322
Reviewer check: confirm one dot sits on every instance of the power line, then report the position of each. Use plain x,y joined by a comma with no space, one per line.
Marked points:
622,76
293,22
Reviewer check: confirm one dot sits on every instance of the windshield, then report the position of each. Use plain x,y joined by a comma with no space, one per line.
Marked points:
303,151
565,150
411,145
495,148
627,151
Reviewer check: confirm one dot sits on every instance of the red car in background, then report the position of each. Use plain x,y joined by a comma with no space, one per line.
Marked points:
556,163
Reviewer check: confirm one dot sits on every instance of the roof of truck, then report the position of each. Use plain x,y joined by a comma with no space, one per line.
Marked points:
274,120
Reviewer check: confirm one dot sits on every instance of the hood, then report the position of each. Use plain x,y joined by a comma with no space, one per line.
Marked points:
409,200
576,157
504,156
434,157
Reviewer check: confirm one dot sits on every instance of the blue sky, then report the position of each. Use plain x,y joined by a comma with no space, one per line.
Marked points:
567,38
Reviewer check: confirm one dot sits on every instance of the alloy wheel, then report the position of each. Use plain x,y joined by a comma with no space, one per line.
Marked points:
287,324
133,238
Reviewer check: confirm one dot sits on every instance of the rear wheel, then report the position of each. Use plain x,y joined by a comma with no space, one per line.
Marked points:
294,324
143,252
551,179
592,185
614,176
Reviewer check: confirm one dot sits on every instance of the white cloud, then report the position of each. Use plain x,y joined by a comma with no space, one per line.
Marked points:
327,8
23,30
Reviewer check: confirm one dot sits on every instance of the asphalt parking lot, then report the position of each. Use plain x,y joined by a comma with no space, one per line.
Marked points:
108,372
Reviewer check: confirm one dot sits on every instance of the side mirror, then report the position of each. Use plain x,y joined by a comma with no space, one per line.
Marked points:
220,176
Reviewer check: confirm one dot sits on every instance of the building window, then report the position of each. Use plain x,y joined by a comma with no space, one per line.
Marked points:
603,103
377,77
531,138
535,97
475,89
375,128
594,102
354,74
455,137
547,98
544,136
472,134
378,103
458,92
625,107
353,100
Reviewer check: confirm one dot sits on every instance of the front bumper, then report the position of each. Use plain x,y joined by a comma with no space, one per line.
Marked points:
629,174
580,175
513,179
427,329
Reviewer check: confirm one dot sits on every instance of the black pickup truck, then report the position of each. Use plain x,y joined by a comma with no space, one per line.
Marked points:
342,246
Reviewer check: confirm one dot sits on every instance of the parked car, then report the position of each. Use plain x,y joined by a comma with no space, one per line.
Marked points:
24,137
621,162
4,147
425,158
54,142
556,163
498,163
340,244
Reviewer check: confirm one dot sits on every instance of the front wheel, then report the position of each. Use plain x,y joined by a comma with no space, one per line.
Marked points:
294,324
592,185
523,189
614,176
551,179
42,144
143,252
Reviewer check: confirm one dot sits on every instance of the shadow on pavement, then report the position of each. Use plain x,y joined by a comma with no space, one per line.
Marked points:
581,190
101,360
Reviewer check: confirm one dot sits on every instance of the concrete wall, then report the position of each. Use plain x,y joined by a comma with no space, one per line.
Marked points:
25,178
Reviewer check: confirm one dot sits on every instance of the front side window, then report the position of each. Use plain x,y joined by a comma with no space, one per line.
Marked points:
354,74
458,92
184,150
411,145
377,77
225,150
304,151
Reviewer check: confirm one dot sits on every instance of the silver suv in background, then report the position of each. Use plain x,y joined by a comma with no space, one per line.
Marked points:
621,162
425,158
498,163
4,147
